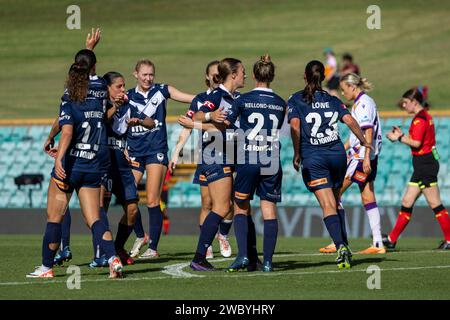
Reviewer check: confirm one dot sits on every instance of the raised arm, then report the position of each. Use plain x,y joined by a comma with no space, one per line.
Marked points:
93,39
180,96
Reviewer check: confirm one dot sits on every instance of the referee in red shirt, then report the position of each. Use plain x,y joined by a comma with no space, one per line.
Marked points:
422,140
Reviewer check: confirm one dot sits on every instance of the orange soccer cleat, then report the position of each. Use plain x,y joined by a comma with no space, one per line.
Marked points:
373,250
331,248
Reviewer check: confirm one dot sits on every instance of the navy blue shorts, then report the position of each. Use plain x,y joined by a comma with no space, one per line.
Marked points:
122,184
249,179
199,178
75,180
356,174
324,171
214,172
139,163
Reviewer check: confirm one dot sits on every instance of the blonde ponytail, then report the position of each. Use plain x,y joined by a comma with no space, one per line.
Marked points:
354,79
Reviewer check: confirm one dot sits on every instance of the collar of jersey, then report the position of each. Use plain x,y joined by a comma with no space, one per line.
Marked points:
93,77
208,91
221,86
262,89
145,94
359,96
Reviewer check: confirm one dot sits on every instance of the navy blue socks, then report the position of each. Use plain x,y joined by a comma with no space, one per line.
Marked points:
138,227
251,240
208,232
341,215
270,238
65,229
107,246
334,228
225,226
52,235
156,222
123,233
98,252
241,233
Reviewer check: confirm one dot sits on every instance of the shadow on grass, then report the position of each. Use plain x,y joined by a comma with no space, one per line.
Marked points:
294,265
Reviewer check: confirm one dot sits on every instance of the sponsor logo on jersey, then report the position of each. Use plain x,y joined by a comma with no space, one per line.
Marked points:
209,105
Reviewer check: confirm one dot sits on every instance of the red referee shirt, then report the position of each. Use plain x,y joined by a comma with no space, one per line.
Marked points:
422,129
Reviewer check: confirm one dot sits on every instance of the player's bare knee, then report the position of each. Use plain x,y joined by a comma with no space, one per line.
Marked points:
107,236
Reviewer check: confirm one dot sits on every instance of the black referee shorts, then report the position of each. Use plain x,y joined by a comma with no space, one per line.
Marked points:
426,170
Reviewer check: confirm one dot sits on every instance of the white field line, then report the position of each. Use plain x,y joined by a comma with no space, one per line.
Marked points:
176,271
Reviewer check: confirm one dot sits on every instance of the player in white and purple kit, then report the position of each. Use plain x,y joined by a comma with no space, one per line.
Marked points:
364,110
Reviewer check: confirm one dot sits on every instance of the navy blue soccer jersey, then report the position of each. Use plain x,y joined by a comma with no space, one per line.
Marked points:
87,121
197,103
261,114
97,91
212,150
318,121
116,131
142,141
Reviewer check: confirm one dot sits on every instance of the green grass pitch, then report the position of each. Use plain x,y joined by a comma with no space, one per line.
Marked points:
182,36
414,272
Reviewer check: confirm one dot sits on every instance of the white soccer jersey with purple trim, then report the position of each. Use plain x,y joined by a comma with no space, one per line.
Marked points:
365,112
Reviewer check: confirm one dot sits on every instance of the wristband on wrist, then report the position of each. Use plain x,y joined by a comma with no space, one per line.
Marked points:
208,116
400,138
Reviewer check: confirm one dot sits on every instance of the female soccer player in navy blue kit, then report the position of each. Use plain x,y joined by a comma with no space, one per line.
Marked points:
313,116
188,124
77,168
122,117
217,155
261,114
148,148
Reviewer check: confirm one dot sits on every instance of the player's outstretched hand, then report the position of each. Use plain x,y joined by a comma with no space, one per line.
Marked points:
93,38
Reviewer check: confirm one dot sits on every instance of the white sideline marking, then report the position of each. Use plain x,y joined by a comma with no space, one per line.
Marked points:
176,270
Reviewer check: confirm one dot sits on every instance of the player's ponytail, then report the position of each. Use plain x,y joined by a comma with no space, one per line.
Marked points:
78,81
357,81
225,68
211,64
314,74
264,69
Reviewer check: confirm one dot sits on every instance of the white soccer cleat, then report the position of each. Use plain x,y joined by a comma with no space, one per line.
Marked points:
115,268
138,244
209,253
41,272
149,254
225,248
